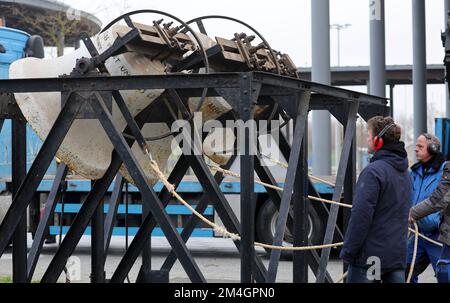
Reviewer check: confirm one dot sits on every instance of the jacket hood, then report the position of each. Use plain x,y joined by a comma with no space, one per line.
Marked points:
393,153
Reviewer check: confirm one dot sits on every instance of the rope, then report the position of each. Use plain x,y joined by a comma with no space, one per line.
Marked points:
341,279
285,165
413,261
346,205
302,248
282,164
233,174
322,180
221,230
426,238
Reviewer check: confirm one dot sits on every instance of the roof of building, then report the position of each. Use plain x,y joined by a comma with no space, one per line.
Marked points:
395,74
32,16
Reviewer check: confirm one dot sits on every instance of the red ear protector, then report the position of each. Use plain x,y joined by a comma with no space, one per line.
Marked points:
378,139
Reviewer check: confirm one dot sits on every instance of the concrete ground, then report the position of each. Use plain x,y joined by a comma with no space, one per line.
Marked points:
217,258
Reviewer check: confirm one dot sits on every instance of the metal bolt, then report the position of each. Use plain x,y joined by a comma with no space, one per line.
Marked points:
167,25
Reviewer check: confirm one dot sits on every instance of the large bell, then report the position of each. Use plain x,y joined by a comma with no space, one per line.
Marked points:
86,149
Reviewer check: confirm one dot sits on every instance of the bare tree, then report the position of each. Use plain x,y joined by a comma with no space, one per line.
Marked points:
58,28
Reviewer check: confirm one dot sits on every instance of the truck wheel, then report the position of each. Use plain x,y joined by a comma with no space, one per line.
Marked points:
266,224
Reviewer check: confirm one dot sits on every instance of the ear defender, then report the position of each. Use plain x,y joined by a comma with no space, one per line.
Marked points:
378,143
432,148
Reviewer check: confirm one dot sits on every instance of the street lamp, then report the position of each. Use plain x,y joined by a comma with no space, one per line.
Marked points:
338,28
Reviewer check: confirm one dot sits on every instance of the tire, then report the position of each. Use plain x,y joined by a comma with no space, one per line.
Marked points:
266,223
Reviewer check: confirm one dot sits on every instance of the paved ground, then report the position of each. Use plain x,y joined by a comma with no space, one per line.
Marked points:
217,258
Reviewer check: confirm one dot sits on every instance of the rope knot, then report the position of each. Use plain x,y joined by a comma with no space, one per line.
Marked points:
222,231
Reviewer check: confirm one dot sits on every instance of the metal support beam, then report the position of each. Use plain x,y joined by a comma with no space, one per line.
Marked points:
148,194
301,205
110,219
288,189
349,186
37,170
87,210
147,250
212,189
341,173
147,226
193,220
223,208
248,202
44,223
81,221
98,246
19,171
313,256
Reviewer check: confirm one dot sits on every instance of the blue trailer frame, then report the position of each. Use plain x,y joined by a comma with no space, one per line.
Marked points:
186,188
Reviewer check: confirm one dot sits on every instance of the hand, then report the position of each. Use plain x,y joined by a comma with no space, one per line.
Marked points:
411,219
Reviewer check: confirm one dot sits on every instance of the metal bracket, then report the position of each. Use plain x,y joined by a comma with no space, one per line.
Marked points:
9,108
86,111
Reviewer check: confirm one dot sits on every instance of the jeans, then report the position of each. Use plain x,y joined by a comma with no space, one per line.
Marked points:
443,266
427,253
358,274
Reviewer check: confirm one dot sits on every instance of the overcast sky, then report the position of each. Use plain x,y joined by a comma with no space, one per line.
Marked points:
287,26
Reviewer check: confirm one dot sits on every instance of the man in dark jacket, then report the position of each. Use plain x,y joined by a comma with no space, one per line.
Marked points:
425,176
375,243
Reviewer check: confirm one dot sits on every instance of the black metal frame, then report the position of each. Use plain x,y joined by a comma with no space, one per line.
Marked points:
87,97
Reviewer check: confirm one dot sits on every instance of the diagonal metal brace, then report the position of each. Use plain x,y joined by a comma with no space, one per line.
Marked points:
342,170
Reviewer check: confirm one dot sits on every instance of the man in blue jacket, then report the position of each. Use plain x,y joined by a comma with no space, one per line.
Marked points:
425,177
375,243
